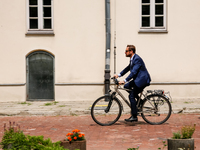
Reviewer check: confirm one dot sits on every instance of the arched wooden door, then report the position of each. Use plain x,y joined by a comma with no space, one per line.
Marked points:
40,76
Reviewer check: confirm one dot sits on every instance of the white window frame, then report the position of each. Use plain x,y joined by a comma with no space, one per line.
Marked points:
152,27
40,17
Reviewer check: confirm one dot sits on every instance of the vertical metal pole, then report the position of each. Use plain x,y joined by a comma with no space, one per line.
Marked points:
108,39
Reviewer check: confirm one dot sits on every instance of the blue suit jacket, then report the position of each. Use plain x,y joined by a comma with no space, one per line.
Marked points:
138,72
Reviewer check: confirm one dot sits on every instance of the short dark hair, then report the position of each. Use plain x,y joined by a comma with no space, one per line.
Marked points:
132,48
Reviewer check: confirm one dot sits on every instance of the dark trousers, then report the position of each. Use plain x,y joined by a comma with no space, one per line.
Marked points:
133,96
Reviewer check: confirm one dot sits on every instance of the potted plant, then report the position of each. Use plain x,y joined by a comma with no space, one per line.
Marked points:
74,140
14,139
182,140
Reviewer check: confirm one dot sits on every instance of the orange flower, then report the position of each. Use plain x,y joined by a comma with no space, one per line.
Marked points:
80,135
76,131
68,134
69,138
74,135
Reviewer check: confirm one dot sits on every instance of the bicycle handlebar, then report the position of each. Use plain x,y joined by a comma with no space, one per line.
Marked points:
115,80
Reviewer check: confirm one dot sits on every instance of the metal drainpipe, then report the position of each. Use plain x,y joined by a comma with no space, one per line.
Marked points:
108,39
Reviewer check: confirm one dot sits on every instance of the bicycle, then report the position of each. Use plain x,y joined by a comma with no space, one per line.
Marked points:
155,108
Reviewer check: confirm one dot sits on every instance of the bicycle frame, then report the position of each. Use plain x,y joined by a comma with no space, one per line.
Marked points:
122,96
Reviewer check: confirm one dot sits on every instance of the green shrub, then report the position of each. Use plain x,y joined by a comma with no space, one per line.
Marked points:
133,148
186,132
176,135
14,139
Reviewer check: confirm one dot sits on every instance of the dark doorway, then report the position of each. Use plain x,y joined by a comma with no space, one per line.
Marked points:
40,76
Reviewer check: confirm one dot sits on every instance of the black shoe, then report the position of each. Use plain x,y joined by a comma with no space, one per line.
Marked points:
131,119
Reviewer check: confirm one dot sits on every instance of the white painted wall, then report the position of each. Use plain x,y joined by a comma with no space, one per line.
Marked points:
79,47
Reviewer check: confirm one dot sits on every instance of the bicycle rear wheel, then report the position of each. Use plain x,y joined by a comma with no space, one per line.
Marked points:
156,109
106,111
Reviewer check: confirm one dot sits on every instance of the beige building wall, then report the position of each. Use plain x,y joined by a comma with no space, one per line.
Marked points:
78,46
171,58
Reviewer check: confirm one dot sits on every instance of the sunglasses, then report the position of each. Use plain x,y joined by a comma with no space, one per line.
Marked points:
128,51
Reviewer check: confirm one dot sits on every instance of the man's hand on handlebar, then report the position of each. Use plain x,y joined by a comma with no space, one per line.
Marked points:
121,82
116,81
116,76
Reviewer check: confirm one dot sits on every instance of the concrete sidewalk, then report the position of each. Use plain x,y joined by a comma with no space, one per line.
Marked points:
75,108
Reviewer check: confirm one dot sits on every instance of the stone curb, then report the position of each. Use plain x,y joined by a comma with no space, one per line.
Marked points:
71,108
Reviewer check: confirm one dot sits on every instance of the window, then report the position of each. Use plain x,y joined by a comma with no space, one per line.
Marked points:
40,16
153,16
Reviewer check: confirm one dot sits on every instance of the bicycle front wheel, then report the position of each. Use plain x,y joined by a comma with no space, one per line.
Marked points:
106,111
156,109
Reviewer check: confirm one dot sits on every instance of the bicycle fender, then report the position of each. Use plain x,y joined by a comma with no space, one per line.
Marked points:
155,95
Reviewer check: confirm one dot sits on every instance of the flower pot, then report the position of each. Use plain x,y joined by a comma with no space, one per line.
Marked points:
74,145
182,144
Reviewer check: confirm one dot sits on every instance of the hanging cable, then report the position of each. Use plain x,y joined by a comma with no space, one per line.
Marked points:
115,39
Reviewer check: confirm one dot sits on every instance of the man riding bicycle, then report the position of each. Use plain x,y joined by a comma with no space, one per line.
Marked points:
140,76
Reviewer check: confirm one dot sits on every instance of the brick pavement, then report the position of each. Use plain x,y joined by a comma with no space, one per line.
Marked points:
119,136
